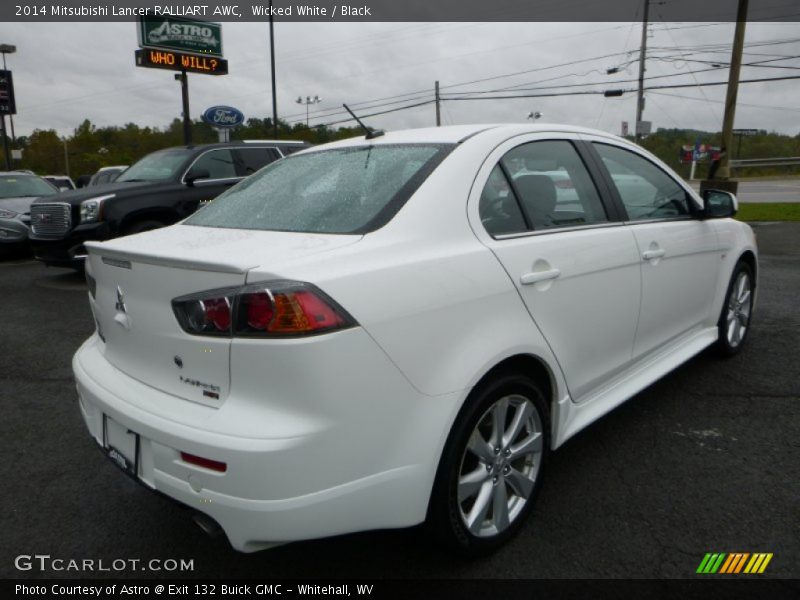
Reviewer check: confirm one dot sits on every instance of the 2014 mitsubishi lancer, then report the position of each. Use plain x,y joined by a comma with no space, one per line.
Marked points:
389,330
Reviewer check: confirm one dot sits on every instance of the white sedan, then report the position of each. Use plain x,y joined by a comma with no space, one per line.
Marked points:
388,330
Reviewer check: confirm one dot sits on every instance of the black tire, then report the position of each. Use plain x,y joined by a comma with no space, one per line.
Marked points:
446,514
141,226
732,309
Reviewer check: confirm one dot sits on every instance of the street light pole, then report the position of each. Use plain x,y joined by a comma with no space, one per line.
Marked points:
66,157
272,64
308,101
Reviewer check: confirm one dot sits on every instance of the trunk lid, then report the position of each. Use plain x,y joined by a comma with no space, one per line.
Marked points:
139,276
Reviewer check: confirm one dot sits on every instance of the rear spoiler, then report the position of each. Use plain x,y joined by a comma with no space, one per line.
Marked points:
125,260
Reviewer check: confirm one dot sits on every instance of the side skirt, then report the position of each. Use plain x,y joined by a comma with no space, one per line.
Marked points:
572,417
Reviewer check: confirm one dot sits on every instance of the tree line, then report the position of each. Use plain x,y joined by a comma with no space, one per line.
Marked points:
91,147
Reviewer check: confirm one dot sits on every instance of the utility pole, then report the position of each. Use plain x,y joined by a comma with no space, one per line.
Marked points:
438,108
187,122
722,172
642,52
272,64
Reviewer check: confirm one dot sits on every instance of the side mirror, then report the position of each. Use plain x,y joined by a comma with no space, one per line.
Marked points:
718,204
195,174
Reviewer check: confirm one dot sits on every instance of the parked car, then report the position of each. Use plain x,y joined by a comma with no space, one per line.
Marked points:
160,189
18,190
107,175
379,332
62,182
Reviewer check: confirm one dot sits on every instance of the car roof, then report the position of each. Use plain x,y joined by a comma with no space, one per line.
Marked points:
453,134
101,169
239,143
15,173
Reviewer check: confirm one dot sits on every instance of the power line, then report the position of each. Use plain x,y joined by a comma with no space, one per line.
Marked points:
762,106
623,91
384,112
426,92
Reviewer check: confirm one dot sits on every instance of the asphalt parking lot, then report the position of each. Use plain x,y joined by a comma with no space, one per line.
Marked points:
705,460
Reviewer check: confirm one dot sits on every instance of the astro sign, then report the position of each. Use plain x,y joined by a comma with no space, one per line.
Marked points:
223,116
180,35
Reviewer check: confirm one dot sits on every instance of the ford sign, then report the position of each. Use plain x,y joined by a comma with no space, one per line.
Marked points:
223,116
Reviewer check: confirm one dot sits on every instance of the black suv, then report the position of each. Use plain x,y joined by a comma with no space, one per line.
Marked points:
160,189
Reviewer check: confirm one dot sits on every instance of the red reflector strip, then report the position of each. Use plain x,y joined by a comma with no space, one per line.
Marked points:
206,463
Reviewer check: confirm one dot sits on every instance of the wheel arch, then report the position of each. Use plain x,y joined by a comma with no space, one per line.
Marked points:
524,363
163,215
749,258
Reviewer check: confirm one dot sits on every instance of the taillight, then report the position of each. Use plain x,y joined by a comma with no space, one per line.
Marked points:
271,309
206,463
218,313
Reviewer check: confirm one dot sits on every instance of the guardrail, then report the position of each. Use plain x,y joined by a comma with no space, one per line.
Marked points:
764,162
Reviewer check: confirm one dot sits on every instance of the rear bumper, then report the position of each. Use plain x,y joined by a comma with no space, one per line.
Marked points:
357,464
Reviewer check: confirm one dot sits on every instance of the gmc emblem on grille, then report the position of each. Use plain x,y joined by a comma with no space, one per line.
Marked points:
44,218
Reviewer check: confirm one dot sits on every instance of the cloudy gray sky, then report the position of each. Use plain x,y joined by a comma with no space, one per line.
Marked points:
64,73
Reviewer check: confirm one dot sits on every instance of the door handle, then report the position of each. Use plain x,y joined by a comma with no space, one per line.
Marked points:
537,276
653,254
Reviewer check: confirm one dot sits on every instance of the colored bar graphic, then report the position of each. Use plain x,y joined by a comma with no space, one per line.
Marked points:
734,563
730,564
718,563
755,562
704,563
727,564
764,564
740,564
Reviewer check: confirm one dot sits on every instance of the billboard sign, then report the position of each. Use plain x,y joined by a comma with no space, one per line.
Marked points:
180,35
178,61
699,152
8,106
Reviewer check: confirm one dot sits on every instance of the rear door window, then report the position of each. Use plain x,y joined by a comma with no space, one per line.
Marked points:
219,163
553,185
499,207
251,160
538,186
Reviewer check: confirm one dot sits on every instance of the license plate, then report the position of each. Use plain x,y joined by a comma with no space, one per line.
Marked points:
121,446
118,458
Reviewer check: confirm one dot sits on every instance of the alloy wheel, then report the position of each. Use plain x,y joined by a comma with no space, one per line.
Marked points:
739,306
500,465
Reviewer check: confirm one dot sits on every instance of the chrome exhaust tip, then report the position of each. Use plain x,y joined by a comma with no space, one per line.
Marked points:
208,525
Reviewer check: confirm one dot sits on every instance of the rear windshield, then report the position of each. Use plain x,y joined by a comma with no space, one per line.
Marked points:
347,190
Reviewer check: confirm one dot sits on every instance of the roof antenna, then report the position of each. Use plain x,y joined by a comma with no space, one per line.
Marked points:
370,133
